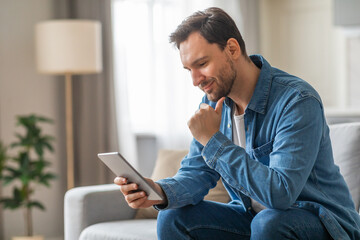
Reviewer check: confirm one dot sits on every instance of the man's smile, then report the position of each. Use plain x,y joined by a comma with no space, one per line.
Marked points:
206,86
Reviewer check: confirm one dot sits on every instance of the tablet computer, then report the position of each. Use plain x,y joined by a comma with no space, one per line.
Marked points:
122,168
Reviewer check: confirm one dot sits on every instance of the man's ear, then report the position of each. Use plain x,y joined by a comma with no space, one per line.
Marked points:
233,48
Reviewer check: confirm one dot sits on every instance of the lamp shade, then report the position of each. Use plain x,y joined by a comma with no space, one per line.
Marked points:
68,46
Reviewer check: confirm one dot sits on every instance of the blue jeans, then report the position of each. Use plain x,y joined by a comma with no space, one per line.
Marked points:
211,220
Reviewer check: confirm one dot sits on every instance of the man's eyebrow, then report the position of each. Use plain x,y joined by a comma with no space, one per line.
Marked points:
197,61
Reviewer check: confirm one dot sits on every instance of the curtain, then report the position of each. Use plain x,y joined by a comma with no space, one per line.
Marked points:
95,128
159,91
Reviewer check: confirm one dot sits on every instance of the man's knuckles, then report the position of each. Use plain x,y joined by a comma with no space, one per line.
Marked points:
125,189
131,197
204,106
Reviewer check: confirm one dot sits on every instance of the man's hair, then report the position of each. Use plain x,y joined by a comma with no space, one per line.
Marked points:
214,24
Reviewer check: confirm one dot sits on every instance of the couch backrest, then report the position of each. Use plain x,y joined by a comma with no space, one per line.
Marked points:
345,140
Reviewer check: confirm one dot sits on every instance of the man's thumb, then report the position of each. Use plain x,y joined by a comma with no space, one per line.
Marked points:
219,105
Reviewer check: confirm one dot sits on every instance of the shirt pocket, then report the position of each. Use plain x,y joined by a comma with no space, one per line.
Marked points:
262,153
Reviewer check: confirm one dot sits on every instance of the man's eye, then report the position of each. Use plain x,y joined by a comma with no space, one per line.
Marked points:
202,64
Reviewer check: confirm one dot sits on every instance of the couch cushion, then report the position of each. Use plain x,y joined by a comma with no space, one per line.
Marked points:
142,229
345,140
167,164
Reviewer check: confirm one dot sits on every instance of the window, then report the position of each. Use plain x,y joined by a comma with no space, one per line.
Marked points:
151,82
159,92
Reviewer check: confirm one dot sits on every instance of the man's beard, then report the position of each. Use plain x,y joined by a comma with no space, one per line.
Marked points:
225,81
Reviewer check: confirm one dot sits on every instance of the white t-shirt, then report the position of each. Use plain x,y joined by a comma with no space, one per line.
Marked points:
239,139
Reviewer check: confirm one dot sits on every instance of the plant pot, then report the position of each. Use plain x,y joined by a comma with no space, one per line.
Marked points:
28,238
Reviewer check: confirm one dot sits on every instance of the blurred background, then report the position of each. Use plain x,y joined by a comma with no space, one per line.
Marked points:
143,97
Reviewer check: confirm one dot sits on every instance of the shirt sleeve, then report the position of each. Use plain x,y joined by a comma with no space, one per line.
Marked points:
191,183
295,147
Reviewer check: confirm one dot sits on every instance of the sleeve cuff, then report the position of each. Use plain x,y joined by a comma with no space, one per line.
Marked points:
213,149
172,192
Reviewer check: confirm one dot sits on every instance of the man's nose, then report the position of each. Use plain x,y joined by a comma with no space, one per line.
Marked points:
197,77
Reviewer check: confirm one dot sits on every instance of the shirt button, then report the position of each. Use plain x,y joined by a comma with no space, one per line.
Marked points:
229,126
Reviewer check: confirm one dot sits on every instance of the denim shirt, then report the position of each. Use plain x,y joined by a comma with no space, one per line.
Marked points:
287,163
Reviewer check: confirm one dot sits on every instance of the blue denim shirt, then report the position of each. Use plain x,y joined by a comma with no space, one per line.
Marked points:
287,163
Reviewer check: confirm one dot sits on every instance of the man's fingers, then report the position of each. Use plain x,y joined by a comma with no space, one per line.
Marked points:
219,105
134,196
120,180
138,202
128,188
204,106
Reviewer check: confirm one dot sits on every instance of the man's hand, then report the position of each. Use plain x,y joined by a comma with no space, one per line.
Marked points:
134,197
206,122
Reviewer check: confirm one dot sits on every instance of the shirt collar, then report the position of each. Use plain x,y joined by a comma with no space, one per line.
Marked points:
261,93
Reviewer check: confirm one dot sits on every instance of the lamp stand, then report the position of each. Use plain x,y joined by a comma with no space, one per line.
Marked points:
69,132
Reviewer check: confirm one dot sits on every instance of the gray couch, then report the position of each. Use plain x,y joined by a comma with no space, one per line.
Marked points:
100,212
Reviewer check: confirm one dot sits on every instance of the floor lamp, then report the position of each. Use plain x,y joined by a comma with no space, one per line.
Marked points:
68,47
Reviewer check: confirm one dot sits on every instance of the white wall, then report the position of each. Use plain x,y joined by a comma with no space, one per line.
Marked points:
300,38
352,61
24,91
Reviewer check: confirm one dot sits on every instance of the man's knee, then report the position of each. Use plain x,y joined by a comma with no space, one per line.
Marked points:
173,215
172,222
166,217
266,224
288,224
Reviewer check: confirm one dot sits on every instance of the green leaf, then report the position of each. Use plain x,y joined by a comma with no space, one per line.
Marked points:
46,178
25,168
35,204
14,145
12,172
44,119
48,138
19,137
3,158
7,180
25,179
10,203
18,195
39,166
49,146
39,148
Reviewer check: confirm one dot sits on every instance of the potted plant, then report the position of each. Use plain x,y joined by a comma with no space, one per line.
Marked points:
27,169
3,157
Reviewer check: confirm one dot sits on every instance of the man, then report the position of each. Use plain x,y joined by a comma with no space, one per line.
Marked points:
264,133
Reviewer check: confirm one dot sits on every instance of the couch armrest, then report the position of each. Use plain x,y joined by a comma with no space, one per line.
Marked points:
85,206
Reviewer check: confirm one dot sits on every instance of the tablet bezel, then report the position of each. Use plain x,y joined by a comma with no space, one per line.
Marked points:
122,168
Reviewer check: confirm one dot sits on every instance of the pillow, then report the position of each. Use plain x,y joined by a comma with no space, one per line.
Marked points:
345,139
167,165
